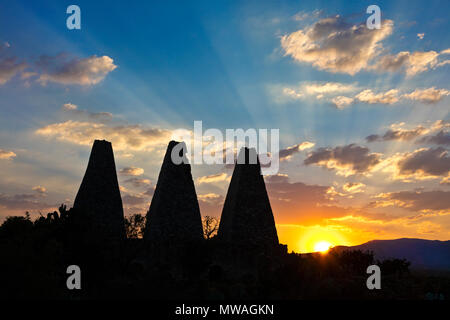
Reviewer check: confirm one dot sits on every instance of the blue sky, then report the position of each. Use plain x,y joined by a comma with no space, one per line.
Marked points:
232,64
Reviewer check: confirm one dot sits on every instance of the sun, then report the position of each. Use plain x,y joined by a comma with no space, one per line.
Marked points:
322,246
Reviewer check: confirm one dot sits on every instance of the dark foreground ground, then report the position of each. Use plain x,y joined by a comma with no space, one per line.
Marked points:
34,256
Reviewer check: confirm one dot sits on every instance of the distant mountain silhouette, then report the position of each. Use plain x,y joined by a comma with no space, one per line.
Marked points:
173,260
423,254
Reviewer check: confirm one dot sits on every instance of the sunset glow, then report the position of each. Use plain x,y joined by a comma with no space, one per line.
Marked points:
362,114
322,246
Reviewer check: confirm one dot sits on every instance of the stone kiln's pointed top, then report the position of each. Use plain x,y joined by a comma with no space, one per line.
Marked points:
174,214
247,216
99,193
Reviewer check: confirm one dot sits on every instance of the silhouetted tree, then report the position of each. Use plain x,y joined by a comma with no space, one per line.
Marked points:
397,267
210,226
134,226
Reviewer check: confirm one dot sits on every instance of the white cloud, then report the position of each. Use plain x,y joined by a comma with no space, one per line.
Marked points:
69,107
326,87
123,137
341,101
330,92
411,62
388,97
430,95
334,45
319,90
81,71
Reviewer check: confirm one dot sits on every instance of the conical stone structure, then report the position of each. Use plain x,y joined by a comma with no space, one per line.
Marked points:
247,217
174,214
99,194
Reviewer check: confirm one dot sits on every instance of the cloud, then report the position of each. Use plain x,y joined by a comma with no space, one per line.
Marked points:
150,191
388,97
411,62
334,45
27,75
430,95
321,88
209,197
337,94
40,190
398,134
353,187
131,171
277,178
138,182
341,101
123,137
213,178
9,67
346,160
80,71
441,138
288,152
6,155
446,181
420,164
24,202
299,202
292,93
416,200
210,204
73,110
69,107
134,199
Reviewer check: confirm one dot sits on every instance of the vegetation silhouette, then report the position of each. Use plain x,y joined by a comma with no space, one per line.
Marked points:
168,254
34,255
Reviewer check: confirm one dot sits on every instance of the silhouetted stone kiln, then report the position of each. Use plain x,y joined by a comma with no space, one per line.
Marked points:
247,217
174,214
99,194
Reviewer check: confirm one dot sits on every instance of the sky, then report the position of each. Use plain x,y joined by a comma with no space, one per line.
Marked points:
363,113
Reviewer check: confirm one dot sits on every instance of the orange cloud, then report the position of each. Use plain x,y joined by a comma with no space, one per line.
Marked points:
6,155
131,171
219,177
